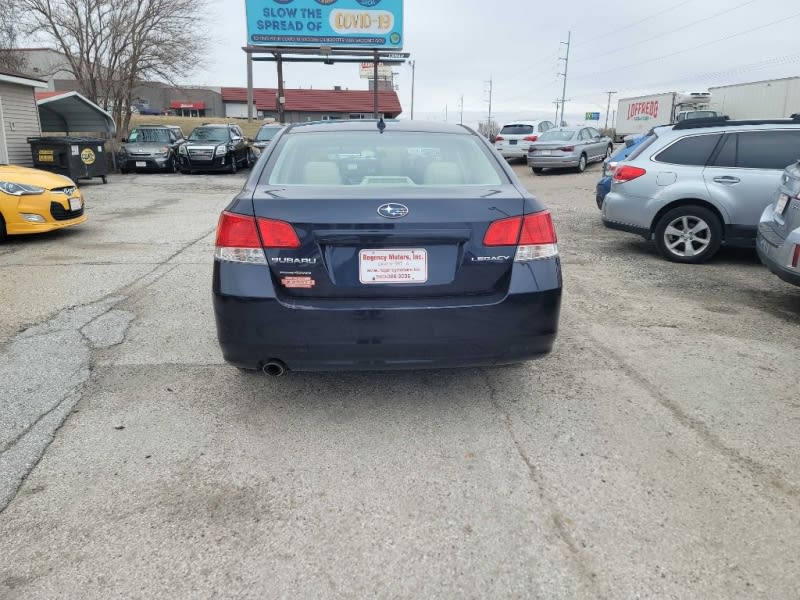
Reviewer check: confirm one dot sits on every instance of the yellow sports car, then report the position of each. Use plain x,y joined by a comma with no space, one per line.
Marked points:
34,201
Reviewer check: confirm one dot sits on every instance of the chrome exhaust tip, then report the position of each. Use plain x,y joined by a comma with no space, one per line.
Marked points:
274,368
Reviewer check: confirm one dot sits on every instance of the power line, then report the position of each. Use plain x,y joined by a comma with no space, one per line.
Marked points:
666,33
703,45
517,97
714,75
640,21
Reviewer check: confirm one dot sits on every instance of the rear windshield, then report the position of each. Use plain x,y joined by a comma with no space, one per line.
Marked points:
149,135
643,145
392,159
556,136
517,129
265,134
701,114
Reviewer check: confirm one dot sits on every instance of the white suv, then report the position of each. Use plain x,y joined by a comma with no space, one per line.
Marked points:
515,138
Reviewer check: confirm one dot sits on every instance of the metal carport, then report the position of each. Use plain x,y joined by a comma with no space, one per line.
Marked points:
70,112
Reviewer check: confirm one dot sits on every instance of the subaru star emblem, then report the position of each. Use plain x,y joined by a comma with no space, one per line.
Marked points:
393,211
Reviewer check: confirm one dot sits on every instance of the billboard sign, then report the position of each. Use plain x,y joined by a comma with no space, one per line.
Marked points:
592,116
367,71
334,23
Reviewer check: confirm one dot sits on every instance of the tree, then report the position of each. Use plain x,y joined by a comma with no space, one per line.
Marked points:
9,32
489,129
112,45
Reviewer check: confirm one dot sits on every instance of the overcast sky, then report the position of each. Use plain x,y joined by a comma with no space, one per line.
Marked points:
629,46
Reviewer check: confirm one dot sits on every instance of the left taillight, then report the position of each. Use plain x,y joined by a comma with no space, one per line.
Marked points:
238,240
533,235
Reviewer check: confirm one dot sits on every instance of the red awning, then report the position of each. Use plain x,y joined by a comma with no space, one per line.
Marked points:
189,105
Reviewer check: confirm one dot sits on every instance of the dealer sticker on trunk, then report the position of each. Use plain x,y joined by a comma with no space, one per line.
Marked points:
404,265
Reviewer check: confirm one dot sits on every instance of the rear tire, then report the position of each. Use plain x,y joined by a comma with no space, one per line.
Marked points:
537,170
581,164
689,234
233,168
3,234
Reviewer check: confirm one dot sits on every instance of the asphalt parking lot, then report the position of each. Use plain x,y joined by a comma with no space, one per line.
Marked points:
654,454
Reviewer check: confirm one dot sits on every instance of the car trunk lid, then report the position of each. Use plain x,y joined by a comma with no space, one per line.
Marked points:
357,244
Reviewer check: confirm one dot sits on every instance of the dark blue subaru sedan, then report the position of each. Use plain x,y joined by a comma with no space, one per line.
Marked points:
363,245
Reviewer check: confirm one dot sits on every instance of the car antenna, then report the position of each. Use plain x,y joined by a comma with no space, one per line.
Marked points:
381,125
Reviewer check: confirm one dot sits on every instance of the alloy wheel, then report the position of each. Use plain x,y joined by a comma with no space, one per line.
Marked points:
687,236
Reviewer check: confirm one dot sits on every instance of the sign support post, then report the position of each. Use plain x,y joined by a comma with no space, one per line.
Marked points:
376,61
249,87
281,91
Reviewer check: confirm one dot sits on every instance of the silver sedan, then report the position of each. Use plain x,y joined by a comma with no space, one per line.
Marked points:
568,147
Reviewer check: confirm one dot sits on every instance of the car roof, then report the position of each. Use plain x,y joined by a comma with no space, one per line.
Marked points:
371,125
720,126
525,122
571,129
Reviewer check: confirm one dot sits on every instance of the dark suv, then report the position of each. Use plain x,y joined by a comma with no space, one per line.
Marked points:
214,147
151,147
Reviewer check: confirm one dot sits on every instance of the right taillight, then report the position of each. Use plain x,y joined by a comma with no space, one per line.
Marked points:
242,238
534,236
627,173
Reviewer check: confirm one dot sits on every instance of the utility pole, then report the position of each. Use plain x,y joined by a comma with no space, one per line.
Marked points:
608,108
555,119
413,64
461,109
564,74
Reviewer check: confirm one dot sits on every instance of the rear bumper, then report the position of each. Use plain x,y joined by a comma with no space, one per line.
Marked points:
642,231
518,151
348,336
555,162
602,190
777,253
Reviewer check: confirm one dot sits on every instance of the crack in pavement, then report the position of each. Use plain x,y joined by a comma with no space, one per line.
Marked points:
770,476
587,574
44,368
